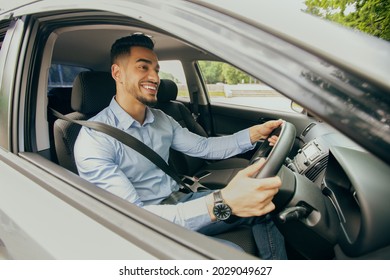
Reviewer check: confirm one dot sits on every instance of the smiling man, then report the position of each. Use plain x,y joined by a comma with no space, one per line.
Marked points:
111,165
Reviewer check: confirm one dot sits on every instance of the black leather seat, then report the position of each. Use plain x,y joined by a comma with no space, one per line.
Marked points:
91,93
219,172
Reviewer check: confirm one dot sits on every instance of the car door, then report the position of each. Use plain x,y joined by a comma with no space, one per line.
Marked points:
47,212
38,221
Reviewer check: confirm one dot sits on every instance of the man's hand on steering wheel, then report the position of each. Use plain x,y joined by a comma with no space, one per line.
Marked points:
253,190
261,131
276,155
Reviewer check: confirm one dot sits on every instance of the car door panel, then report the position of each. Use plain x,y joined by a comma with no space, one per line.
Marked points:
51,228
228,119
72,219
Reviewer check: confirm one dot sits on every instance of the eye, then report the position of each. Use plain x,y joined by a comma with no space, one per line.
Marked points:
144,67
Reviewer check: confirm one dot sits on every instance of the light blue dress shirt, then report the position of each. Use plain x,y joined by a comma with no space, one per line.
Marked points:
111,165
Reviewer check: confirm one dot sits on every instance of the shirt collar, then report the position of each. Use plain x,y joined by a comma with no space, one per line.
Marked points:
124,120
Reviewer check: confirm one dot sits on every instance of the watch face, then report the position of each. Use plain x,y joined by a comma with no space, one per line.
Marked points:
222,211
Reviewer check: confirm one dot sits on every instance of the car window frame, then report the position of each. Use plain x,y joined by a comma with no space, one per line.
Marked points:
9,57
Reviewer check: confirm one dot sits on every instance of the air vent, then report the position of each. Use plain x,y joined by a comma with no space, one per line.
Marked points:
307,129
313,172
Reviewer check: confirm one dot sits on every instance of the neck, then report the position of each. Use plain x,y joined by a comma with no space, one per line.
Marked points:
132,106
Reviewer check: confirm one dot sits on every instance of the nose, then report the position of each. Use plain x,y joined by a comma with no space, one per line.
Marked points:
153,76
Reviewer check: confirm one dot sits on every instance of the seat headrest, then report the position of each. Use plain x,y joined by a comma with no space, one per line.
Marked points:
167,91
92,91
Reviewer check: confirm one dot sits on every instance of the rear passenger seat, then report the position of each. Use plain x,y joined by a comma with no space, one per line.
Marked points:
59,100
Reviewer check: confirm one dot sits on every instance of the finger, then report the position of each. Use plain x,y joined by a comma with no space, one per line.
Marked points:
268,201
273,142
274,124
270,183
267,209
253,169
273,139
262,209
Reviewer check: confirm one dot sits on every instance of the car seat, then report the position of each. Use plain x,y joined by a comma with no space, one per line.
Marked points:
213,174
91,93
59,100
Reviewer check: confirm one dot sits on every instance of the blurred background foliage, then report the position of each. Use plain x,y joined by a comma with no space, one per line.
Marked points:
369,16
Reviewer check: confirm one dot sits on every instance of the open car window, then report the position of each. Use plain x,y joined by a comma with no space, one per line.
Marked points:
227,84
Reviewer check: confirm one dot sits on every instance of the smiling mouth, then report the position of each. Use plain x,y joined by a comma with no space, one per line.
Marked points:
150,87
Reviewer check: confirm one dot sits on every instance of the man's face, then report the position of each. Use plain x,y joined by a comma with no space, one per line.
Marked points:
139,75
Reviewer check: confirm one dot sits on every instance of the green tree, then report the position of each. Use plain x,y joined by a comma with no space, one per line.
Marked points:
219,72
233,76
169,76
212,71
370,16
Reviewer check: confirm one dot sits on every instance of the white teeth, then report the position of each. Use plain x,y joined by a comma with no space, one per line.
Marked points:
150,87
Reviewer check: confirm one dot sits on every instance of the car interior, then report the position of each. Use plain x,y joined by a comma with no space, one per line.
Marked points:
92,90
312,163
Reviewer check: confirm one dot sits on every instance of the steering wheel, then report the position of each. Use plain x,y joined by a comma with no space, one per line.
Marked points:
275,157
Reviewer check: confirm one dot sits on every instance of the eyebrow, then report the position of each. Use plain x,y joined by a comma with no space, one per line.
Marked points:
144,60
147,61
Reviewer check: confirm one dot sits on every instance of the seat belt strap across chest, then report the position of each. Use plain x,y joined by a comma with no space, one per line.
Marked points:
129,141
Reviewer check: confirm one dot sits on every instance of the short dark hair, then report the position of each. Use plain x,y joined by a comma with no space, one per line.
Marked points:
123,45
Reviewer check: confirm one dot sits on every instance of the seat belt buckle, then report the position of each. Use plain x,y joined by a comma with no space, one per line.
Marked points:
201,175
193,183
195,116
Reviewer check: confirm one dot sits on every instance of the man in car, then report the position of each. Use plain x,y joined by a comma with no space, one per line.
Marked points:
113,166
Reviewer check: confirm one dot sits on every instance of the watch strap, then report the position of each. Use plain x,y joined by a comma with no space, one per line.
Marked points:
217,197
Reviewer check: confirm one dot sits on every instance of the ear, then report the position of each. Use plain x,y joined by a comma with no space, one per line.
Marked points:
116,73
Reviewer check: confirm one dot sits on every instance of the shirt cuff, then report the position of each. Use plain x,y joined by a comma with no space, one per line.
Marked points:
243,140
196,213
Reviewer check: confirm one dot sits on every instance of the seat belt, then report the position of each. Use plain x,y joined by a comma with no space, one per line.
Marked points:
136,145
195,104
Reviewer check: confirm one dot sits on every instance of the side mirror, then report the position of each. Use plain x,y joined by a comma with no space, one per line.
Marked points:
297,108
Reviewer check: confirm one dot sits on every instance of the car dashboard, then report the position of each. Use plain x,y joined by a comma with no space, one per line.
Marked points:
345,191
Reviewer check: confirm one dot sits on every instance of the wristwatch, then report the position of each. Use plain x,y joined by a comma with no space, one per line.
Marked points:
221,210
